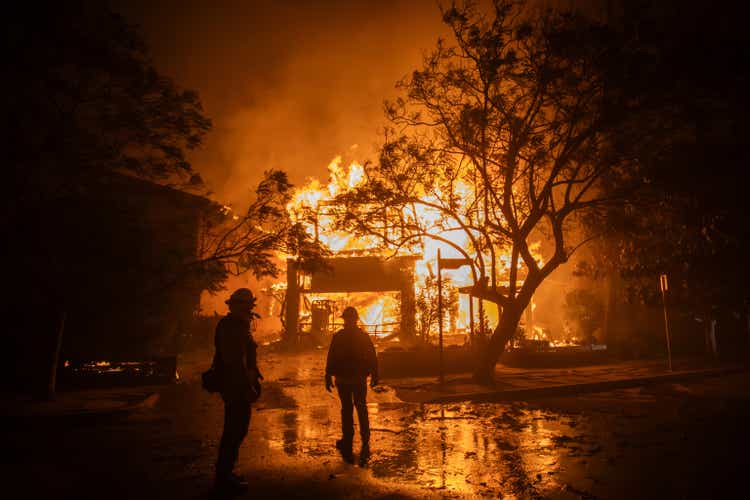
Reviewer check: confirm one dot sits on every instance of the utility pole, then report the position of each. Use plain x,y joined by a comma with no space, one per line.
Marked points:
471,320
440,315
448,263
664,285
52,378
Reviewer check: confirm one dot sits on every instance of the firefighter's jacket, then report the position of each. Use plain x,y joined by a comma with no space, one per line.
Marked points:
351,356
236,358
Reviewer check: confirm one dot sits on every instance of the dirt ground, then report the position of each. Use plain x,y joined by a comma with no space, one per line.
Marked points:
663,441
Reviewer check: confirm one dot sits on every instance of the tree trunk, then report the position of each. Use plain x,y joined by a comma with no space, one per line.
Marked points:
52,376
504,331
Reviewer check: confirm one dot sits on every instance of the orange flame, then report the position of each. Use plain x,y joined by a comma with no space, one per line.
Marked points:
312,205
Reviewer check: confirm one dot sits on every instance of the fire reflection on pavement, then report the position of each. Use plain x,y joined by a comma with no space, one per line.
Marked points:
462,449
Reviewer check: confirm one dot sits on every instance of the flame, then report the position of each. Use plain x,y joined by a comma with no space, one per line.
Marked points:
378,312
309,206
312,205
341,180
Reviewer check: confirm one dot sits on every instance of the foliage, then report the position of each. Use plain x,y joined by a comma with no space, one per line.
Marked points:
681,68
235,244
87,106
428,314
520,334
506,135
86,103
96,131
84,99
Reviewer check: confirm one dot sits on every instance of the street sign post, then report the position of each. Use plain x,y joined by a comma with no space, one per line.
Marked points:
664,286
447,264
440,315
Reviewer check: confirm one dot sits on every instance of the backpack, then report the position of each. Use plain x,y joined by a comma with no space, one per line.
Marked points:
211,379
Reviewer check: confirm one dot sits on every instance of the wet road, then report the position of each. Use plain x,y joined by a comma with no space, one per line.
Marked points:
666,441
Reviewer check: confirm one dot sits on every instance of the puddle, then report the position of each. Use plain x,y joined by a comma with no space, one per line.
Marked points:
464,450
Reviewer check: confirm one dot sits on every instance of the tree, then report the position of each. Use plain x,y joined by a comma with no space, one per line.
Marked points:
428,315
84,98
504,137
681,67
251,241
96,133
84,101
584,308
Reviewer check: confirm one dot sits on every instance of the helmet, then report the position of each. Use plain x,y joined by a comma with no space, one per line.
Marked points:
242,296
350,312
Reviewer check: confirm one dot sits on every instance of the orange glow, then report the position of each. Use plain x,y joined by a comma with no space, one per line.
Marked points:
312,205
378,311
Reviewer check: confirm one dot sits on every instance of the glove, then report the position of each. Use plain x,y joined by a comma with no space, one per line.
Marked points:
329,383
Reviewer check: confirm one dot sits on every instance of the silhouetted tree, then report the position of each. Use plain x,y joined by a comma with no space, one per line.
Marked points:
681,70
584,308
88,111
428,314
507,135
81,100
82,97
251,241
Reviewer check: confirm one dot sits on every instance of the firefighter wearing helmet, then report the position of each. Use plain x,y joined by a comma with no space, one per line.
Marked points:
351,359
236,364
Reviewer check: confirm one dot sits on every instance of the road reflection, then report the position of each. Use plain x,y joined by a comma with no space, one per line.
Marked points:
475,449
464,450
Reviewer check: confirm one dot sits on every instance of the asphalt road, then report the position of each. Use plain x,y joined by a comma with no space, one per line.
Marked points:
663,441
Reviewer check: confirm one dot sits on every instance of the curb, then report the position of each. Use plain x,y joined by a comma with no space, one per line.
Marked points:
149,401
572,389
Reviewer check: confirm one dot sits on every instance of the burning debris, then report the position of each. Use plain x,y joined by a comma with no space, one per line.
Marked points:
114,372
392,285
370,283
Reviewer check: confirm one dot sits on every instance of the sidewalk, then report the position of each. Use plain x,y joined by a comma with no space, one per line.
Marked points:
522,383
81,403
86,403
511,384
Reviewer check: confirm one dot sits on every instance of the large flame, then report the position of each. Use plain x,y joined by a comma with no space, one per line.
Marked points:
312,205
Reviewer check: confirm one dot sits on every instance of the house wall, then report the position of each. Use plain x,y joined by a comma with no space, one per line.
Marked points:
133,302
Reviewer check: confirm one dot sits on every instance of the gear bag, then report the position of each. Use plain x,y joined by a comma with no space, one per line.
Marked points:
211,379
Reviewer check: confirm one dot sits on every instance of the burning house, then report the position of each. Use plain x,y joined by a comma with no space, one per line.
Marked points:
392,287
371,277
441,287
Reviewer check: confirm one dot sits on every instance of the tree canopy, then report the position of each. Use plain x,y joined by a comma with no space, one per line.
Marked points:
680,66
505,136
89,112
251,241
82,97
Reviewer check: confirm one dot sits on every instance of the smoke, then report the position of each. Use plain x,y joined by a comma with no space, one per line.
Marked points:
288,84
